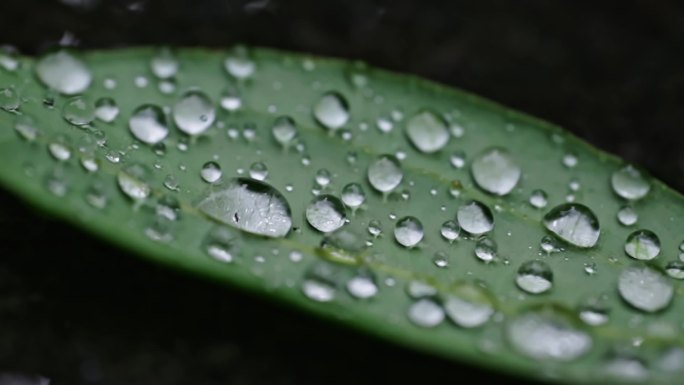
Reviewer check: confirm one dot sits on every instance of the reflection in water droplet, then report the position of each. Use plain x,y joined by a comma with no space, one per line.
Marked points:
468,305
495,171
645,288
59,149
408,232
643,245
420,289
323,177
475,218
385,173
258,171
148,124
331,111
450,230
106,110
374,227
211,172
133,181
353,195
594,311
426,313
574,223
164,64
362,287
238,64
628,183
538,199
534,277
675,269
194,112
326,213
549,245
78,111
63,73
284,130
485,249
457,159
222,244
627,216
9,99
427,132
249,205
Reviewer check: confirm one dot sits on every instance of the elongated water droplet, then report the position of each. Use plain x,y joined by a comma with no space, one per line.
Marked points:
629,183
408,232
79,111
106,110
148,124
353,195
475,218
468,305
249,205
495,171
26,128
331,110
326,213
318,290
194,112
645,288
534,277
426,313
164,65
450,230
427,132
63,72
385,173
211,172
134,181
643,245
284,130
573,223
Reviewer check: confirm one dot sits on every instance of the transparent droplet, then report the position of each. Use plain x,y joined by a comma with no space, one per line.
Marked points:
645,288
164,65
284,130
211,172
258,171
408,231
9,59
318,290
468,305
573,223
486,249
167,86
106,110
96,196
331,111
627,216
59,149
534,277
148,124
323,177
440,259
475,218
194,112
495,171
249,205
90,164
548,333
9,99
353,195
374,227
427,132
63,72
238,64
385,173
384,125
594,312
569,160
362,287
675,269
450,230
457,159
171,182
629,183
326,213
230,99
549,245
79,111
643,245
222,244
538,199
426,313
420,289
134,181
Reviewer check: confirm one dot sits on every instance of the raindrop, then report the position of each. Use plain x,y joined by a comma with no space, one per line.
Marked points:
326,213
164,65
384,125
627,216
675,269
385,173
249,205
96,197
318,290
353,195
426,313
495,171
594,312
9,99
573,223
211,172
171,182
626,367
78,111
59,149
534,277
133,181
9,58
90,164
230,99
450,230
420,289
475,218
629,183
222,244
374,228
468,305
323,177
284,130
408,232
194,112
362,287
549,245
148,124
63,73
643,245
258,171
569,160
427,132
106,110
440,259
167,86
331,111
457,159
486,249
645,288
538,199
238,64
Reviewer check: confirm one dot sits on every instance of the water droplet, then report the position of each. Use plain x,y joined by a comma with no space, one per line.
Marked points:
426,313
148,124
78,111
385,174
353,195
9,99
569,160
106,110
645,288
468,305
238,64
549,245
194,112
627,216
534,277
450,230
625,367
457,159
318,290
258,171
440,259
90,164
284,130
548,333
594,312
629,183
384,125
326,213
590,268
573,223
211,172
323,177
133,181
495,171
538,199
675,269
230,99
362,287
164,64
486,249
408,232
249,205
643,245
427,132
331,111
63,73
9,60
96,196
672,360
374,227
222,244
475,218
171,182
59,149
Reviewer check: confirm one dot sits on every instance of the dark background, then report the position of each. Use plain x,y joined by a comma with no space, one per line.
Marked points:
81,312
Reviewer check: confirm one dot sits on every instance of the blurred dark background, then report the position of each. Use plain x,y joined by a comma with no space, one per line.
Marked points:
80,312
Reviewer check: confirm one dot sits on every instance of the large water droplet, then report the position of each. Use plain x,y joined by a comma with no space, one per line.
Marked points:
326,213
63,73
427,132
249,205
79,111
211,172
468,305
164,65
408,232
331,111
534,277
574,223
645,288
629,183
148,124
134,181
495,171
643,245
385,174
284,130
194,112
475,218
426,313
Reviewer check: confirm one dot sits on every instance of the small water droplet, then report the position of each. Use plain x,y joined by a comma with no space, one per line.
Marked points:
486,249
426,313
675,269
9,59
362,287
534,277
538,199
450,230
133,181
468,305
284,130
96,196
440,259
495,171
549,245
627,216
427,132
475,218
230,99
9,99
326,213
90,164
164,65
374,228
331,111
420,289
63,72
384,125
171,182
594,311
238,64
569,160
629,183
59,149
211,172
323,177
457,159
148,124
258,171
78,111
573,223
645,288
643,245
385,173
408,231
106,110
353,195
222,244
194,112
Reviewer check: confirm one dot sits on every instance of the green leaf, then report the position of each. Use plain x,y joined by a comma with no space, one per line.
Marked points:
560,292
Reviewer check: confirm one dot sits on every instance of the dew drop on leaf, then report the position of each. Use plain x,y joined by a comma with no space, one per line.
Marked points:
353,195
450,230
426,313
573,223
427,132
534,277
9,99
78,111
643,245
133,181
148,124
284,130
106,109
222,244
385,173
326,213
538,199
645,288
629,183
63,72
194,112
408,231
332,111
468,305
362,287
475,218
627,216
486,249
164,65
495,171
258,171
211,172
